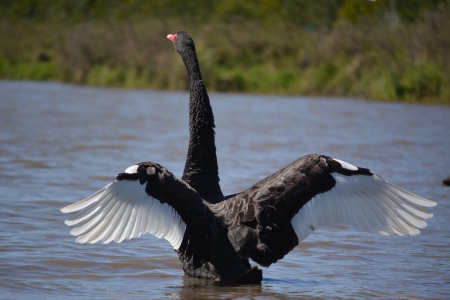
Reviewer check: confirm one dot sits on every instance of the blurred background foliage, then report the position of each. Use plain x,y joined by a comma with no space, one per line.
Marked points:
385,49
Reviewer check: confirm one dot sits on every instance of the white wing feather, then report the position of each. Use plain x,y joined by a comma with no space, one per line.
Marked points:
123,210
367,203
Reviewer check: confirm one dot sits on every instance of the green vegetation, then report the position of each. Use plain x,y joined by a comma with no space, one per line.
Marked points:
386,49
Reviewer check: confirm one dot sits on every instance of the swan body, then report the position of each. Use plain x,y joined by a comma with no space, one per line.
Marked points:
215,236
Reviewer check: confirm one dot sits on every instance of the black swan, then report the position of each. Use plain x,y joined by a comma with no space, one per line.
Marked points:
215,235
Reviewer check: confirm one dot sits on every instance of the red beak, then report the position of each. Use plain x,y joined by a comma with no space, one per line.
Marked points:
172,37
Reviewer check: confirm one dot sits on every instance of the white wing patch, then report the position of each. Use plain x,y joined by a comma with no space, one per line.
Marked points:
346,165
123,210
132,169
367,203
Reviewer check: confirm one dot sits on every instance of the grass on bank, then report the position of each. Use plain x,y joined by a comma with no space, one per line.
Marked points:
371,60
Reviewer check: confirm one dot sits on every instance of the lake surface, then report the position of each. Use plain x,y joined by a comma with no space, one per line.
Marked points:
60,143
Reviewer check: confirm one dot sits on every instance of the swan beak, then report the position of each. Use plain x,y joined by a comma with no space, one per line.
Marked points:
172,37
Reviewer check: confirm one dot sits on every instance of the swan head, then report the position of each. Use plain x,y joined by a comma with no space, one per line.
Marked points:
181,41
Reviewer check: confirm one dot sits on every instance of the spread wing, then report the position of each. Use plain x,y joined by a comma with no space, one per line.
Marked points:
269,219
147,198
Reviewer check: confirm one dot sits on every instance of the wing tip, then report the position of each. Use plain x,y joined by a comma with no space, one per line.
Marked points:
430,203
79,240
410,196
423,201
68,223
79,205
75,206
67,209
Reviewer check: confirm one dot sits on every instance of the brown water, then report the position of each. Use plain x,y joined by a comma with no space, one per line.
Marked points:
60,143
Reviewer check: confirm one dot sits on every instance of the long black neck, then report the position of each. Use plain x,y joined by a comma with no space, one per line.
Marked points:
201,170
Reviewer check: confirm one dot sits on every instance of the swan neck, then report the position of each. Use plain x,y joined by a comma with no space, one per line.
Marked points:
201,170
191,63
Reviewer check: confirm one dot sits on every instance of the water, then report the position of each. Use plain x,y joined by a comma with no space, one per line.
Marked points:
60,143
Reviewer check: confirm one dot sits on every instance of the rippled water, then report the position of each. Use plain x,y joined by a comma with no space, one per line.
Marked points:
60,143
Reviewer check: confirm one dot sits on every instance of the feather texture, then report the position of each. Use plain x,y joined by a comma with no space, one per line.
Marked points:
147,198
134,213
365,202
269,219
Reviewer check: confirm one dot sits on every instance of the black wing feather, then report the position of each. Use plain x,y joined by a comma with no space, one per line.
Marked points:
200,238
150,183
259,219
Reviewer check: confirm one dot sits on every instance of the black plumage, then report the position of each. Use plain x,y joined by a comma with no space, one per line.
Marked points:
201,236
216,235
259,219
201,170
